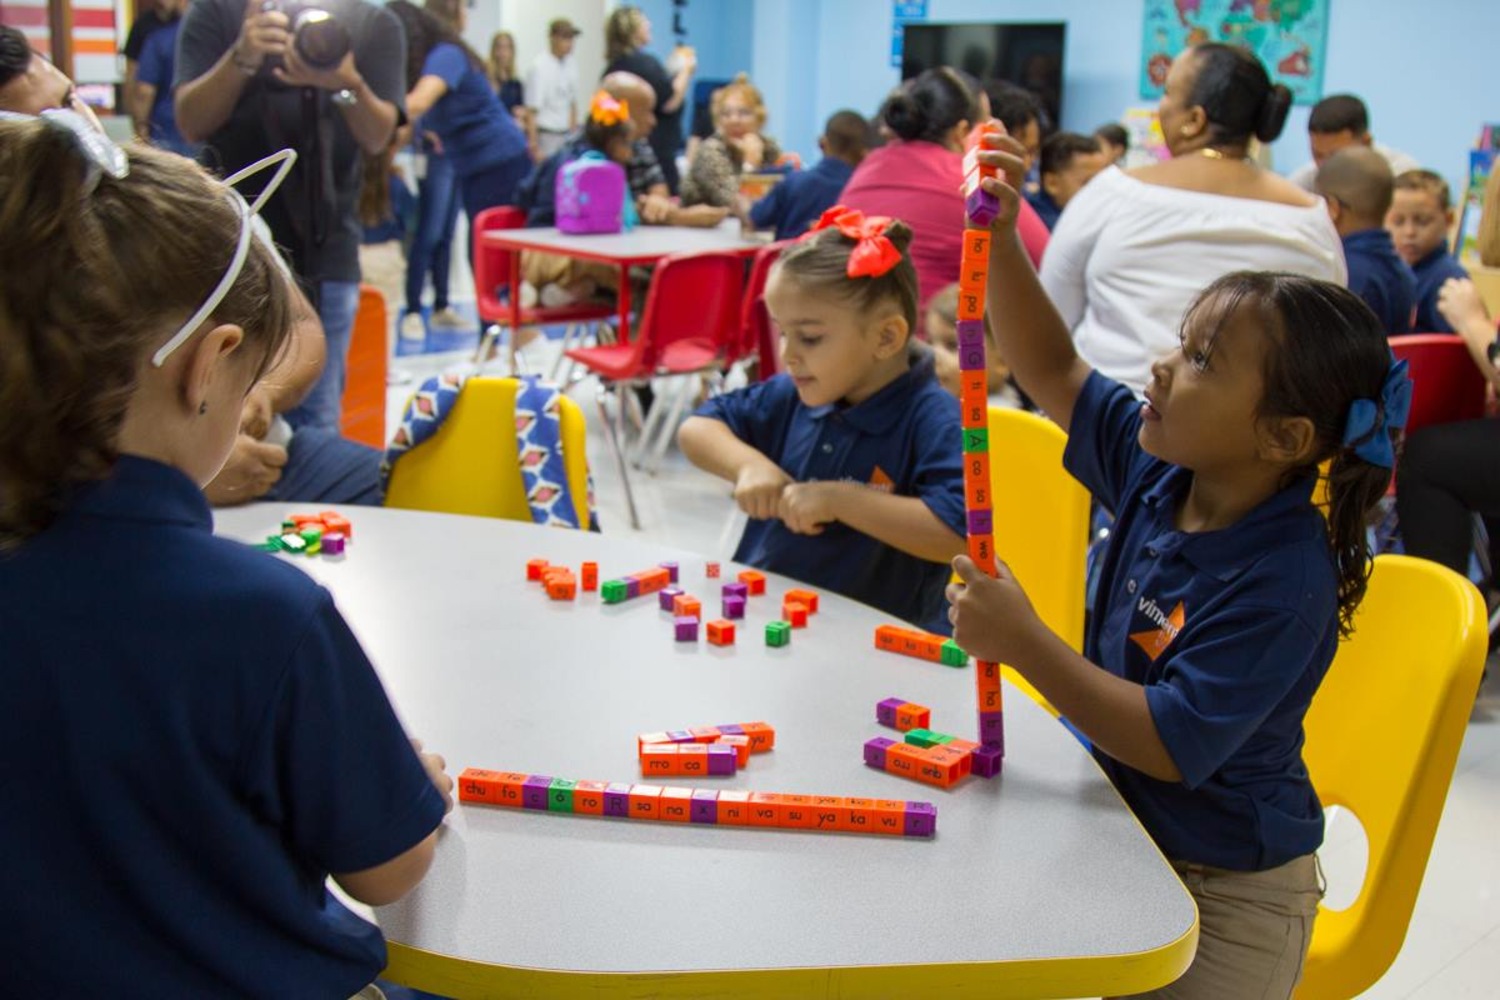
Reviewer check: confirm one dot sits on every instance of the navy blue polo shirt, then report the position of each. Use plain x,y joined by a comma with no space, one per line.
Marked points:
906,438
477,131
193,741
1048,210
1432,270
1378,275
1229,631
799,198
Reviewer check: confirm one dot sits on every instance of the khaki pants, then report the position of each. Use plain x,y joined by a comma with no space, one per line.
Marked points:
539,269
1253,931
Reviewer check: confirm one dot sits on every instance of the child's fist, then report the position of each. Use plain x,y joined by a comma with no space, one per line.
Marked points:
436,766
1008,156
993,619
758,488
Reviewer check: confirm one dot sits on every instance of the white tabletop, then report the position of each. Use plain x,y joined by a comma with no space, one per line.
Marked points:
643,243
1044,864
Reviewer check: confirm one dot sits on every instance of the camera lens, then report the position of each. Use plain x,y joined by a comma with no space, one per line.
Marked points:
320,40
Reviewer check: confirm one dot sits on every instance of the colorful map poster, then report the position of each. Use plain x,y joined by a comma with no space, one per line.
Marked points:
1289,37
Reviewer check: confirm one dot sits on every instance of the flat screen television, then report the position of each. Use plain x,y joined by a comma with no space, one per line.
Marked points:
1027,54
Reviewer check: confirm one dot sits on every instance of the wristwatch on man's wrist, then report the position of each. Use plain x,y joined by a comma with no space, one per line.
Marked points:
347,98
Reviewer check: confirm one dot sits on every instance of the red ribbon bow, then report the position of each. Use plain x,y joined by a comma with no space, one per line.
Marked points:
874,254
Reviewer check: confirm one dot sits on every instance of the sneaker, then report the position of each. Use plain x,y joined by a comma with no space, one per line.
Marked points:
446,319
528,295
556,295
412,327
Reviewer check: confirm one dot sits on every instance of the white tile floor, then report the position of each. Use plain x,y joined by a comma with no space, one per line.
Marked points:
1452,949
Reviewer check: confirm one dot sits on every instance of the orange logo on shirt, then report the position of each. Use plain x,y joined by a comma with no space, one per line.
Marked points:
880,481
1167,627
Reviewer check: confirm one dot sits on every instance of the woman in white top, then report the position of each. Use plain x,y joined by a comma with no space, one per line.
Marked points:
1133,248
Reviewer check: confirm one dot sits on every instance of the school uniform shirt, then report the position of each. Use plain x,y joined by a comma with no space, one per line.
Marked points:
1431,271
477,131
1230,633
1127,259
1306,176
552,86
1378,275
799,198
155,68
1046,209
905,439
193,741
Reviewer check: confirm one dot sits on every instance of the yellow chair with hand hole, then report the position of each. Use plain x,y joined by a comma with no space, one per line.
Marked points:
470,464
1041,523
1383,735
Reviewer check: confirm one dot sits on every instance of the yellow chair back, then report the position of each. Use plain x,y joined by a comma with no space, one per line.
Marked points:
470,465
1383,735
1041,522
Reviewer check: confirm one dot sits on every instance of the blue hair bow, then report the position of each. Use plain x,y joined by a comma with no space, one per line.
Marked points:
1367,430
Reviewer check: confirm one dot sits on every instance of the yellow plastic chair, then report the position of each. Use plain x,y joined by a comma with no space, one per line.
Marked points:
1041,523
470,466
1382,739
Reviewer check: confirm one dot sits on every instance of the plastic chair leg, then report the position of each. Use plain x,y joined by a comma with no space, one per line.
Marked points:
615,431
668,429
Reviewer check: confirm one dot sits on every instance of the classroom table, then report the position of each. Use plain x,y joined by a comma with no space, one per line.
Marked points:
642,245
1037,884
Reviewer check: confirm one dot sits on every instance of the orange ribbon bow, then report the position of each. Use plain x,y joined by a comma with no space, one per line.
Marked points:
605,110
874,254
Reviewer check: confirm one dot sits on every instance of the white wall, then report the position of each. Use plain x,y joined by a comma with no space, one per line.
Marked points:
527,20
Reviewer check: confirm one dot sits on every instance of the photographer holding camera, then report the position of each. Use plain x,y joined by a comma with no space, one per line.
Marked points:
325,79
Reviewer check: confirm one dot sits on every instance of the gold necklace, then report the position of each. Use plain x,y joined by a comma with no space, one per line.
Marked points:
1209,153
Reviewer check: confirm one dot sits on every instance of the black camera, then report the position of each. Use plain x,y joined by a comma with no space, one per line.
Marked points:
317,36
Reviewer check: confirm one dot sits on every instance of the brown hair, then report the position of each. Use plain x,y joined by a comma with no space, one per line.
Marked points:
1326,350
821,262
501,74
447,11
742,88
1427,181
94,282
619,32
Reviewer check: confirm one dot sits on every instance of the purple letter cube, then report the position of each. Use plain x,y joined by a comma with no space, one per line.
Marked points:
534,792
671,569
987,761
632,587
981,207
736,590
875,752
982,522
992,729
721,759
333,544
921,819
734,607
885,711
666,596
687,629
705,806
617,800
971,333
731,729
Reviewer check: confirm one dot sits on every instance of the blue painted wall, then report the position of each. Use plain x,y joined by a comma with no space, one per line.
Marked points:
1429,80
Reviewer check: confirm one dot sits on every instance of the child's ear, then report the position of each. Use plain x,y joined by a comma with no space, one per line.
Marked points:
208,363
1288,441
891,335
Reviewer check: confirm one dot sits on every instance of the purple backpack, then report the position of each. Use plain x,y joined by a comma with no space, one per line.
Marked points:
590,194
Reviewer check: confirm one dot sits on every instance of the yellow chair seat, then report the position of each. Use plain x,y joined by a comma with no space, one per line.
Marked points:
470,465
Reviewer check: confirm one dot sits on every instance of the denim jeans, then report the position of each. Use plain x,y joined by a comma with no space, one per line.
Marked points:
492,186
322,467
432,243
337,302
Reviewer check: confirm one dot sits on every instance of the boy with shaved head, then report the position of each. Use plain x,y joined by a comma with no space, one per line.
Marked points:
1356,183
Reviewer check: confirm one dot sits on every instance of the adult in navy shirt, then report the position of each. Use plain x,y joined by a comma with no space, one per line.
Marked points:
154,114
449,90
243,92
797,200
1356,185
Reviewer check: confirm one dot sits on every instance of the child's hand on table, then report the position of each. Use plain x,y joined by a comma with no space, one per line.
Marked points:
758,489
435,764
992,617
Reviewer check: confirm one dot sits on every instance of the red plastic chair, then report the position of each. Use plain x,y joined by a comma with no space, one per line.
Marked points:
691,324
756,336
1446,384
363,405
492,283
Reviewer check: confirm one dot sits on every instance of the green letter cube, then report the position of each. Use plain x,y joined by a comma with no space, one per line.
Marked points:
778,633
976,439
613,591
952,654
560,795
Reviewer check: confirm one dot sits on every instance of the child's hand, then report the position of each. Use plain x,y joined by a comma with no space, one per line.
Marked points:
1009,157
434,764
758,489
992,618
257,413
1460,304
807,507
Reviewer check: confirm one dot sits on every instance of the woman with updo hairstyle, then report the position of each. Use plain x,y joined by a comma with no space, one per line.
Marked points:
1135,247
918,177
738,146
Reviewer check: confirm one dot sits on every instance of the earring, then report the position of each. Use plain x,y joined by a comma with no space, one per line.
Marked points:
1185,131
202,409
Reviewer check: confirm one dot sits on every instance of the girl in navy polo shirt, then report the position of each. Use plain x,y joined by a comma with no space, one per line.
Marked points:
1224,591
193,739
849,463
